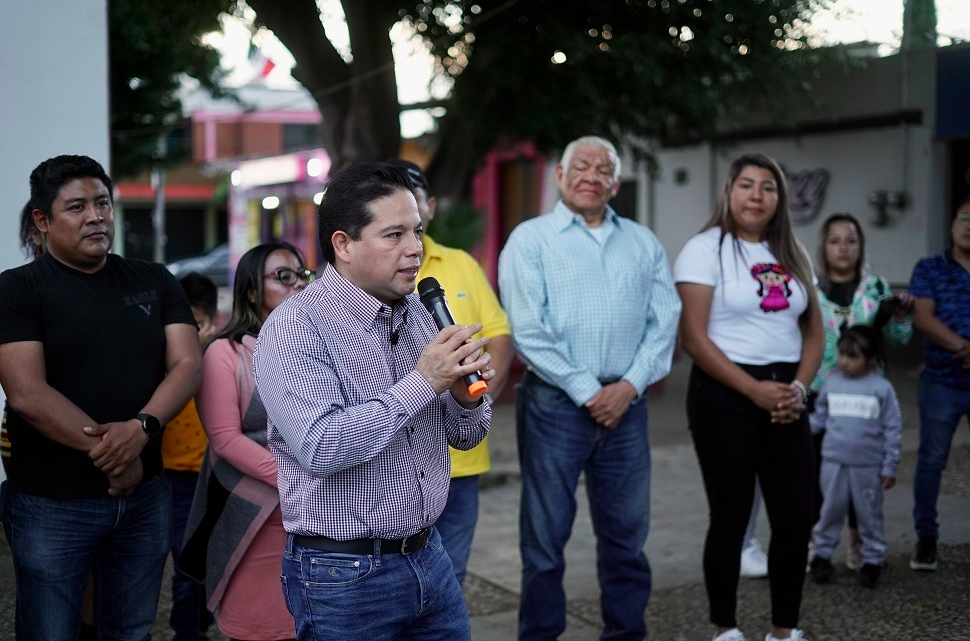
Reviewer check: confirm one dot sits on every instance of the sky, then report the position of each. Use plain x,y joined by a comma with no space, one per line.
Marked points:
882,21
878,21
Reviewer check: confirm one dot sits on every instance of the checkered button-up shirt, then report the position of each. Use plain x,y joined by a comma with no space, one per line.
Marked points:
360,438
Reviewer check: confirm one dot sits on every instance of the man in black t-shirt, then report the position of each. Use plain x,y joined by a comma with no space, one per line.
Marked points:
96,354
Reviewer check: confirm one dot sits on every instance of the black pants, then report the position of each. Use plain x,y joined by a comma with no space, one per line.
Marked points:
736,442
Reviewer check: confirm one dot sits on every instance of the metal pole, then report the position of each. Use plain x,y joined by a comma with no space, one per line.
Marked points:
159,239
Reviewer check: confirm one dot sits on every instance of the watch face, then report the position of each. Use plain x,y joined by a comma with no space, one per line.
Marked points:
150,424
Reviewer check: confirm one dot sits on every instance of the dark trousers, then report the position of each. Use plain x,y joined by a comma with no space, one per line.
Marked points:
737,443
189,617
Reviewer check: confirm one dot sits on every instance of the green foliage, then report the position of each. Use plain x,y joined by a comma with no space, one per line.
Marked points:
220,197
458,225
919,23
151,45
666,70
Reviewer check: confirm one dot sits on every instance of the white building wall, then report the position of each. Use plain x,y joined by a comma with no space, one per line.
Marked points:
55,79
55,100
683,194
859,163
895,158
550,188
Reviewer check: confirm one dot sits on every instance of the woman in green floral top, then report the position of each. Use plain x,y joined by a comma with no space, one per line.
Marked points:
851,295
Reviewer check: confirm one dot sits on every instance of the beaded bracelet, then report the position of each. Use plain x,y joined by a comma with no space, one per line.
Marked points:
798,385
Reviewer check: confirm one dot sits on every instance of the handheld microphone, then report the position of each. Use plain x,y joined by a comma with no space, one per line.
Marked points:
433,297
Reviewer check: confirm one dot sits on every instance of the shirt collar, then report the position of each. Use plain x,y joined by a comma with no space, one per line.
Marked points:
564,216
432,250
361,304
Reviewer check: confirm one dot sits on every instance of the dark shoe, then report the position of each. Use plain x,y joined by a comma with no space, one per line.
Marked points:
821,569
924,558
869,574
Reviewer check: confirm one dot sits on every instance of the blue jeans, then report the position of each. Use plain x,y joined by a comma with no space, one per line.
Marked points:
189,618
557,441
456,525
940,411
55,544
376,596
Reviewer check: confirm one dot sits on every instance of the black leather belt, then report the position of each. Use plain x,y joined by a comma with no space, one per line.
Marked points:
535,378
407,545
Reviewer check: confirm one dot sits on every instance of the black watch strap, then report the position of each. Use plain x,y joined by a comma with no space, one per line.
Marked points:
151,425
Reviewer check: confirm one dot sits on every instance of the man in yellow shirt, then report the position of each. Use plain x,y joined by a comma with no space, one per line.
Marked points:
471,300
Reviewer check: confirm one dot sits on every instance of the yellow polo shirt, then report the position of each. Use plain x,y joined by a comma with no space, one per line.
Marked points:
471,300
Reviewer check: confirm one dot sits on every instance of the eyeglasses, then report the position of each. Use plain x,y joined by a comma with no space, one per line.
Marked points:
289,277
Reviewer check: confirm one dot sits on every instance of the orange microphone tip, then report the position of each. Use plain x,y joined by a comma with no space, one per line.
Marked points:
477,388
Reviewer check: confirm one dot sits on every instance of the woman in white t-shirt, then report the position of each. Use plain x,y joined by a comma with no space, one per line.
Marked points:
751,323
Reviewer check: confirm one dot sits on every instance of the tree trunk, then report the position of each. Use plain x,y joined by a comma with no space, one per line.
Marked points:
454,162
358,101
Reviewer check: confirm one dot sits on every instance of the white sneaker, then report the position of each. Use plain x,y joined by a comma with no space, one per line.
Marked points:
754,563
731,635
853,558
796,635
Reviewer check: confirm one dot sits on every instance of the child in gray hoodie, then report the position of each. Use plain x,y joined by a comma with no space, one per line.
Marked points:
858,409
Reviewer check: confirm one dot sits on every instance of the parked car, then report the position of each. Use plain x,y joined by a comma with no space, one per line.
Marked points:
214,264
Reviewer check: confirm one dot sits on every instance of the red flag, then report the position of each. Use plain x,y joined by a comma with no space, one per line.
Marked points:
260,61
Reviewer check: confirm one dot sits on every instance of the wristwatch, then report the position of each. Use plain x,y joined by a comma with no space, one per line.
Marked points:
150,424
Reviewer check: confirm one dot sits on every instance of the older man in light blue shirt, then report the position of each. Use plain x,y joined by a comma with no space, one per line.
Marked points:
593,312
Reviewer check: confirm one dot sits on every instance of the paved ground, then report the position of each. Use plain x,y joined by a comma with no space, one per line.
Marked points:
906,605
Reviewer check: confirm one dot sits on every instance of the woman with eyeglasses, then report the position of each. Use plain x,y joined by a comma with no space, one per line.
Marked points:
246,537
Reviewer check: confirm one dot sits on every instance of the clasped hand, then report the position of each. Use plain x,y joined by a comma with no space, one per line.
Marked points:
779,399
451,355
962,354
610,403
903,304
121,443
124,484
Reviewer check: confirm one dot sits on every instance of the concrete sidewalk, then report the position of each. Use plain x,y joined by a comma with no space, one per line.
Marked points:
905,605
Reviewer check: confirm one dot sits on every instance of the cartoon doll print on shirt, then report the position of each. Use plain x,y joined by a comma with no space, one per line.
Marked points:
773,287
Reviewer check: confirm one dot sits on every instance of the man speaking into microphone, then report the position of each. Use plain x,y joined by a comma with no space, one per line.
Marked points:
471,300
363,396
594,315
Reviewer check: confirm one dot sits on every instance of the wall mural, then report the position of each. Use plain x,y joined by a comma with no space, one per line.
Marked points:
807,192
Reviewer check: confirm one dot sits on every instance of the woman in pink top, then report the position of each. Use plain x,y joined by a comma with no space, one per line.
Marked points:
245,548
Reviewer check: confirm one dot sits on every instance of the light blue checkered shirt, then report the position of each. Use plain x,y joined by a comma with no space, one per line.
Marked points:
582,311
